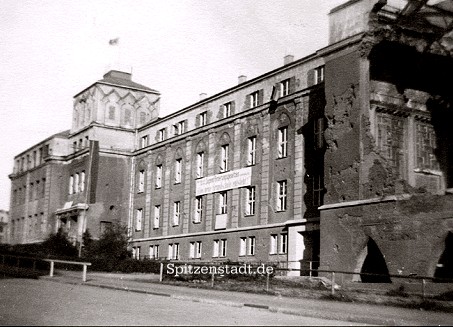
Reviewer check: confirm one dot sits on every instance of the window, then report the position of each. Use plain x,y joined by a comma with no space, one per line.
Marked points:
223,248
243,246
425,145
141,181
247,245
161,135
254,99
227,110
142,117
156,221
192,250
138,220
283,142
43,187
198,209
76,182
179,128
71,184
251,152
279,244
176,212
112,113
251,199
283,246
319,74
127,117
154,251
281,195
198,249
178,170
37,191
200,164
284,88
31,189
82,181
39,155
195,250
391,140
173,251
144,141
136,253
158,176
319,133
318,189
273,244
224,158
251,241
219,248
223,202
203,118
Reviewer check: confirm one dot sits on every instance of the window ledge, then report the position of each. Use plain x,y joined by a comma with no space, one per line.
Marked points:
428,171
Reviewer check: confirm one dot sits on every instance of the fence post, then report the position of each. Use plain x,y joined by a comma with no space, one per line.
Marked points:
212,278
267,282
84,273
161,273
333,283
423,288
51,268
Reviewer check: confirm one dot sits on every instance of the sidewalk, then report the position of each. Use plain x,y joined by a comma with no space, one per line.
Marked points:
353,312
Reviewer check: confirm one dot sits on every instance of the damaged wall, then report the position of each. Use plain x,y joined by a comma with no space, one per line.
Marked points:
388,160
342,157
410,234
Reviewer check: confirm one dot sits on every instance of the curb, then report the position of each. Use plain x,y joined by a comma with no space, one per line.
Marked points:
311,314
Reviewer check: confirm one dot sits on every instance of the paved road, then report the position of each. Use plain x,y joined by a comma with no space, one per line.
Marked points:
44,302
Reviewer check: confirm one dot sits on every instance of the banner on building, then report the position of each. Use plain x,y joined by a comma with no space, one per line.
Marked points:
225,181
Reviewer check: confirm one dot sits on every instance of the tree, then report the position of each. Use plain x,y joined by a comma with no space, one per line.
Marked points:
112,243
59,245
88,244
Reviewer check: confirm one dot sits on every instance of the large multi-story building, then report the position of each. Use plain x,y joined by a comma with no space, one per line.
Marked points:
330,158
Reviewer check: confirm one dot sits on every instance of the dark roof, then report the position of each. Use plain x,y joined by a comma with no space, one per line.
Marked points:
118,78
122,79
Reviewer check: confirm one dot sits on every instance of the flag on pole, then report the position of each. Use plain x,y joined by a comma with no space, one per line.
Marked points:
114,41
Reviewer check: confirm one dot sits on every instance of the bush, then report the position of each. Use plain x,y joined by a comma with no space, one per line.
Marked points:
59,245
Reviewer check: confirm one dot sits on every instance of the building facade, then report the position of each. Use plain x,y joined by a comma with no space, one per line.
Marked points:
4,218
340,158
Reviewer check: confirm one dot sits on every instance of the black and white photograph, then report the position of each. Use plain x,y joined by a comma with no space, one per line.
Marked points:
226,162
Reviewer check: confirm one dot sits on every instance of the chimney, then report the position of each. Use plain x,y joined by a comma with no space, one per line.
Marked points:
242,79
288,59
203,96
118,75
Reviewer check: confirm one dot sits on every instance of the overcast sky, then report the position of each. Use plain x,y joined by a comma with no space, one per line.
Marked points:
52,49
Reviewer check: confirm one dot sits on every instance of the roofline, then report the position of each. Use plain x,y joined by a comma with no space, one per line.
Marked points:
343,5
231,89
43,141
119,85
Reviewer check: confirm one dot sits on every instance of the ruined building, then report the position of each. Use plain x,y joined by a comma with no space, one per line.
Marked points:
388,164
340,159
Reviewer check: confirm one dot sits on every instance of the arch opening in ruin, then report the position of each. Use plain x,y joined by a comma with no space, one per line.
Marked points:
444,267
374,264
